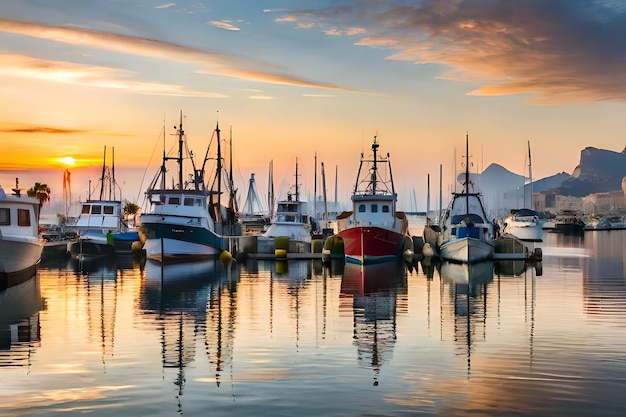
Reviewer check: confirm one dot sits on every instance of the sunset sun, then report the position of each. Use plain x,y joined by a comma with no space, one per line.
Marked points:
68,160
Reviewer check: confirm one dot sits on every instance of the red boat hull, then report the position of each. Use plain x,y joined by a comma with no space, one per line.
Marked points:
369,245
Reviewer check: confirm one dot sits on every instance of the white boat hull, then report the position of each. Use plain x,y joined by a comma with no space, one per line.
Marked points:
466,250
172,250
294,231
19,254
527,232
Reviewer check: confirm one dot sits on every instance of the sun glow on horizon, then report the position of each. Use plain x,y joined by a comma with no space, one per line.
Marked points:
67,160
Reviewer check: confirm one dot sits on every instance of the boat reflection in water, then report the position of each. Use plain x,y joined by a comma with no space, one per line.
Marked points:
19,322
194,306
374,293
464,312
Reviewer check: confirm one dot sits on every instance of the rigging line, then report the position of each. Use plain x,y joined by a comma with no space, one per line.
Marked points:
160,136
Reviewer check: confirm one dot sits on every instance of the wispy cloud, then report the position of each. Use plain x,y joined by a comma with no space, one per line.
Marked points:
558,51
223,25
90,75
211,62
41,129
165,6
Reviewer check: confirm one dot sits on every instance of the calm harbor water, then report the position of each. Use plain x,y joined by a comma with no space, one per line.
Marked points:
124,338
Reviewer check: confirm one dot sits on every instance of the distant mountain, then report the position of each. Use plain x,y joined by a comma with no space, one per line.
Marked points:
497,177
504,190
599,171
550,183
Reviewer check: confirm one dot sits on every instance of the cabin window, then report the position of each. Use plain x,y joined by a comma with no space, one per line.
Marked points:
108,209
23,217
85,209
385,209
96,209
361,208
198,202
174,201
188,201
374,208
5,217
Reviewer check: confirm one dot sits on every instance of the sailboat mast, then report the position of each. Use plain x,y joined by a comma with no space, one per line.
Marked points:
427,197
530,178
324,191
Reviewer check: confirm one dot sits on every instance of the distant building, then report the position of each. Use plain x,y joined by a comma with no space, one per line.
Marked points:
553,202
604,203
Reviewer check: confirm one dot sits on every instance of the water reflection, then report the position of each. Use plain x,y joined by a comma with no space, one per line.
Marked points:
373,292
19,322
192,304
464,304
604,275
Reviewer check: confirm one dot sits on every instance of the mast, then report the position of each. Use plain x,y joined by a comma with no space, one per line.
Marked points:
336,176
219,169
297,190
374,166
270,189
233,207
324,191
530,177
113,184
440,191
427,198
163,164
466,172
180,151
315,186
104,160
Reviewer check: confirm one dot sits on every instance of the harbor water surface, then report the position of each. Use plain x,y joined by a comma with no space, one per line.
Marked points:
126,338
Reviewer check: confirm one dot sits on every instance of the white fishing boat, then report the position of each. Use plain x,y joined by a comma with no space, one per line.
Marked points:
466,233
179,225
291,220
524,223
101,227
20,243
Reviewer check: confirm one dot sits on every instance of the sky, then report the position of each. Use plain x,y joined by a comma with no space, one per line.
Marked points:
298,80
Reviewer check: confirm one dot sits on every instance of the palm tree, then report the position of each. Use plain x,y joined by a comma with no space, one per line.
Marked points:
41,192
131,209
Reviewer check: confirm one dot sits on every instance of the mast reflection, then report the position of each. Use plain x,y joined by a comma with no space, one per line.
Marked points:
464,315
191,301
375,293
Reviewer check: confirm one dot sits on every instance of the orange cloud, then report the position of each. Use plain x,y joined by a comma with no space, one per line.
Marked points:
211,62
562,51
